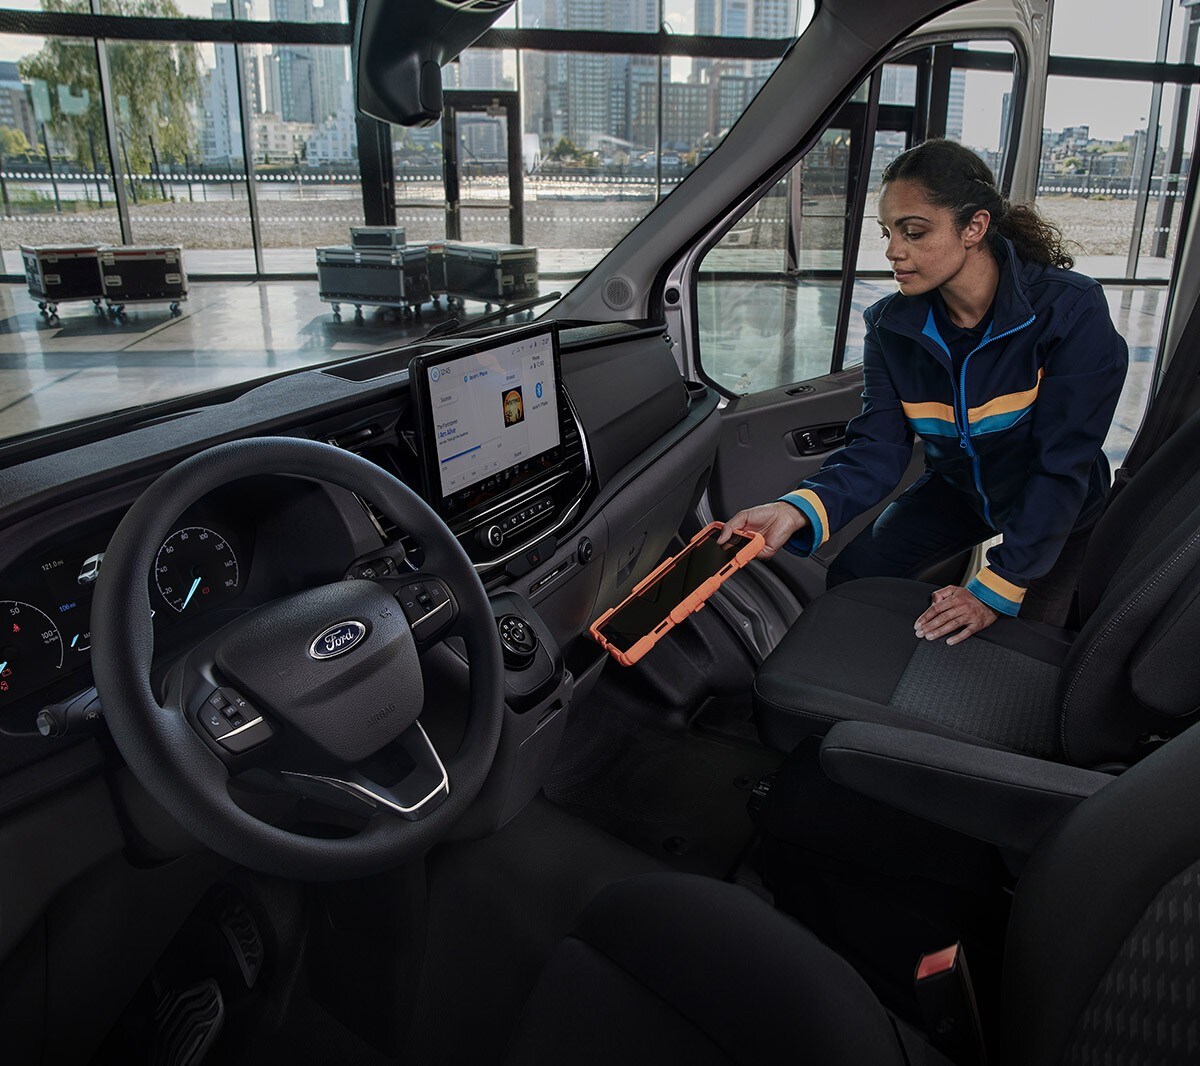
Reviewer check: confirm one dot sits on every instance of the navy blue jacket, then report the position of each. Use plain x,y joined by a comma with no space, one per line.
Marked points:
1018,431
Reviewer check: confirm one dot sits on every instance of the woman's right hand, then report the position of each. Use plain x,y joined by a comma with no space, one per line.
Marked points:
777,522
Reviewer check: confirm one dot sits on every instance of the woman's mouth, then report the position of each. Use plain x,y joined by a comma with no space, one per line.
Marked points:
904,275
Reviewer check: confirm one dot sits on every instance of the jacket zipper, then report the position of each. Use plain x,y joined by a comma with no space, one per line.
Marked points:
964,427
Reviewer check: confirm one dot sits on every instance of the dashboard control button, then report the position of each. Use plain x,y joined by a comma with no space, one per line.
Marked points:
584,550
495,536
517,641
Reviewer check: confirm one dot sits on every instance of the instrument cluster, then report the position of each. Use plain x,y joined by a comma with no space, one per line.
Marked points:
46,598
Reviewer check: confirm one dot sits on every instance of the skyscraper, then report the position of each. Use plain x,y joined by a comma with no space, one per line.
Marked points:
954,104
305,80
706,26
221,132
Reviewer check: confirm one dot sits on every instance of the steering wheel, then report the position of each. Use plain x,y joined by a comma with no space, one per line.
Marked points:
321,690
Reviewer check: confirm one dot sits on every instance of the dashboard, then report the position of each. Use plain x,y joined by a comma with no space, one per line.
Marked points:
566,495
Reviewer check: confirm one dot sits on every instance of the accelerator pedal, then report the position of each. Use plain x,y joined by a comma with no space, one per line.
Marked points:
237,925
187,1023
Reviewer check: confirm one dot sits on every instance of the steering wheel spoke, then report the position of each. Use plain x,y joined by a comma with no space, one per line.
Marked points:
406,778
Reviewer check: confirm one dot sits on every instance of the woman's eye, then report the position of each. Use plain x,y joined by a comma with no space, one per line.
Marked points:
914,236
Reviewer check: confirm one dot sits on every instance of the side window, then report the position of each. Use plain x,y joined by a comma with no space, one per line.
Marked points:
780,297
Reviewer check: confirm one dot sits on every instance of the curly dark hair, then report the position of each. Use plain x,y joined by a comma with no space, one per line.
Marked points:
956,178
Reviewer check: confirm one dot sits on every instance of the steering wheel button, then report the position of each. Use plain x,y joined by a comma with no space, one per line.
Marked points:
215,723
217,701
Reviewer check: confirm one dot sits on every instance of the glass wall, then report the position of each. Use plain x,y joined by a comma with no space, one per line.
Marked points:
55,181
182,152
603,135
248,155
304,131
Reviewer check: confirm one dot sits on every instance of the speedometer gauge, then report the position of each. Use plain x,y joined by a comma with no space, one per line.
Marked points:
30,648
195,567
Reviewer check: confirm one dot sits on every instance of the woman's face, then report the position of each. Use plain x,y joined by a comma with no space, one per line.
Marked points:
924,246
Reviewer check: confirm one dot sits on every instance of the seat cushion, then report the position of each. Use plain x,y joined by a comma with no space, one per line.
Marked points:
852,655
674,968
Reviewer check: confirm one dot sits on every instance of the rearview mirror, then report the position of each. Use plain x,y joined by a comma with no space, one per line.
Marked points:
400,47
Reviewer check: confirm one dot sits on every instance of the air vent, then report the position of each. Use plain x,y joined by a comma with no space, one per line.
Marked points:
355,441
618,293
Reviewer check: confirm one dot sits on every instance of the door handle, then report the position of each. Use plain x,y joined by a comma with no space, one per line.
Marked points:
817,439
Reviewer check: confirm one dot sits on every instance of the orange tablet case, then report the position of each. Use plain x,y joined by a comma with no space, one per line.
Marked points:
690,603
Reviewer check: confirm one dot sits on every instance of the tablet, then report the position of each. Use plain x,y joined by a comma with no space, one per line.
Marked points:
676,589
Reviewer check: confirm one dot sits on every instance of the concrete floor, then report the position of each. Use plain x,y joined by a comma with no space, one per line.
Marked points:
752,332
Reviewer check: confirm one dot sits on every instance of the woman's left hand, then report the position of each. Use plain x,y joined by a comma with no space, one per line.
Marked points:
955,611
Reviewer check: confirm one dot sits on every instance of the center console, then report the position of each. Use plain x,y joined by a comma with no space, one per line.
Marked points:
503,459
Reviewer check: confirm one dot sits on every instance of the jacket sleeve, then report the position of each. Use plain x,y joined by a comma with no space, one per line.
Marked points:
1077,397
853,479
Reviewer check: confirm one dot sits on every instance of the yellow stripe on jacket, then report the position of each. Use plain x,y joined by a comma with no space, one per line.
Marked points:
1003,411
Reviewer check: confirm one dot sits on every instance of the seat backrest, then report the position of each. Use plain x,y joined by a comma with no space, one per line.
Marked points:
1133,673
1103,956
1132,521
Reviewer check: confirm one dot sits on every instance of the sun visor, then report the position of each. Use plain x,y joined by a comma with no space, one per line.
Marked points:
400,47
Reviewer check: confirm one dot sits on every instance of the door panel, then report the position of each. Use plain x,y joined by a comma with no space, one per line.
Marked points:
759,459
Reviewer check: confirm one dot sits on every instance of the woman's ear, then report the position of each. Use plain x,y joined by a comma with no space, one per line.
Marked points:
976,229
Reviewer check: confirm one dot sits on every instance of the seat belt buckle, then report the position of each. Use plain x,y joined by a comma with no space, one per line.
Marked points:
947,1001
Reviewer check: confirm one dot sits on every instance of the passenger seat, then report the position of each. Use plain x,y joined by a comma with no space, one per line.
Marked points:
1103,697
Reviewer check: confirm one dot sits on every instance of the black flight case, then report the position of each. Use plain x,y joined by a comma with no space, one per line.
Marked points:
493,273
138,274
436,254
377,236
379,277
61,273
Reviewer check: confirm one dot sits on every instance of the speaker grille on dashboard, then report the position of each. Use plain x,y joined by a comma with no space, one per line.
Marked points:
618,293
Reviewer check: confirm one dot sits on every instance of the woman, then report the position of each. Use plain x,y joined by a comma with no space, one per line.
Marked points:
1007,366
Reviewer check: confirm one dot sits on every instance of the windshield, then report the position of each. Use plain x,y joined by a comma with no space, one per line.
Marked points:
179,216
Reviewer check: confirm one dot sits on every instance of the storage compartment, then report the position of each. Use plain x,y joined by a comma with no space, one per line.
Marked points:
627,391
493,273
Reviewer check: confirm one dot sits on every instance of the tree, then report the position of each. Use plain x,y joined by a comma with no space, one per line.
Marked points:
566,151
156,88
13,143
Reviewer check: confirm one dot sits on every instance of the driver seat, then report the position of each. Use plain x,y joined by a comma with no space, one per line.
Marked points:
1128,679
1102,963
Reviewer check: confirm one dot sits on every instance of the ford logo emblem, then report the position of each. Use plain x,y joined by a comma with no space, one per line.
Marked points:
337,640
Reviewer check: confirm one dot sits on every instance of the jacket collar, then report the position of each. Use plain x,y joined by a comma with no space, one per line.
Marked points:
910,314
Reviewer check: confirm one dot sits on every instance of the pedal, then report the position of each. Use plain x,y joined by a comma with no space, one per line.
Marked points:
187,1023
237,924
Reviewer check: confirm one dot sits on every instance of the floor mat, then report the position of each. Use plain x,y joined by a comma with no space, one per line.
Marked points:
678,795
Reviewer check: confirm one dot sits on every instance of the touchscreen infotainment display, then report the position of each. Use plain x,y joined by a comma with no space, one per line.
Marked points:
493,410
491,416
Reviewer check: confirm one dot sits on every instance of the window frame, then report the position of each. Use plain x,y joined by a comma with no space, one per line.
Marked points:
1019,64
